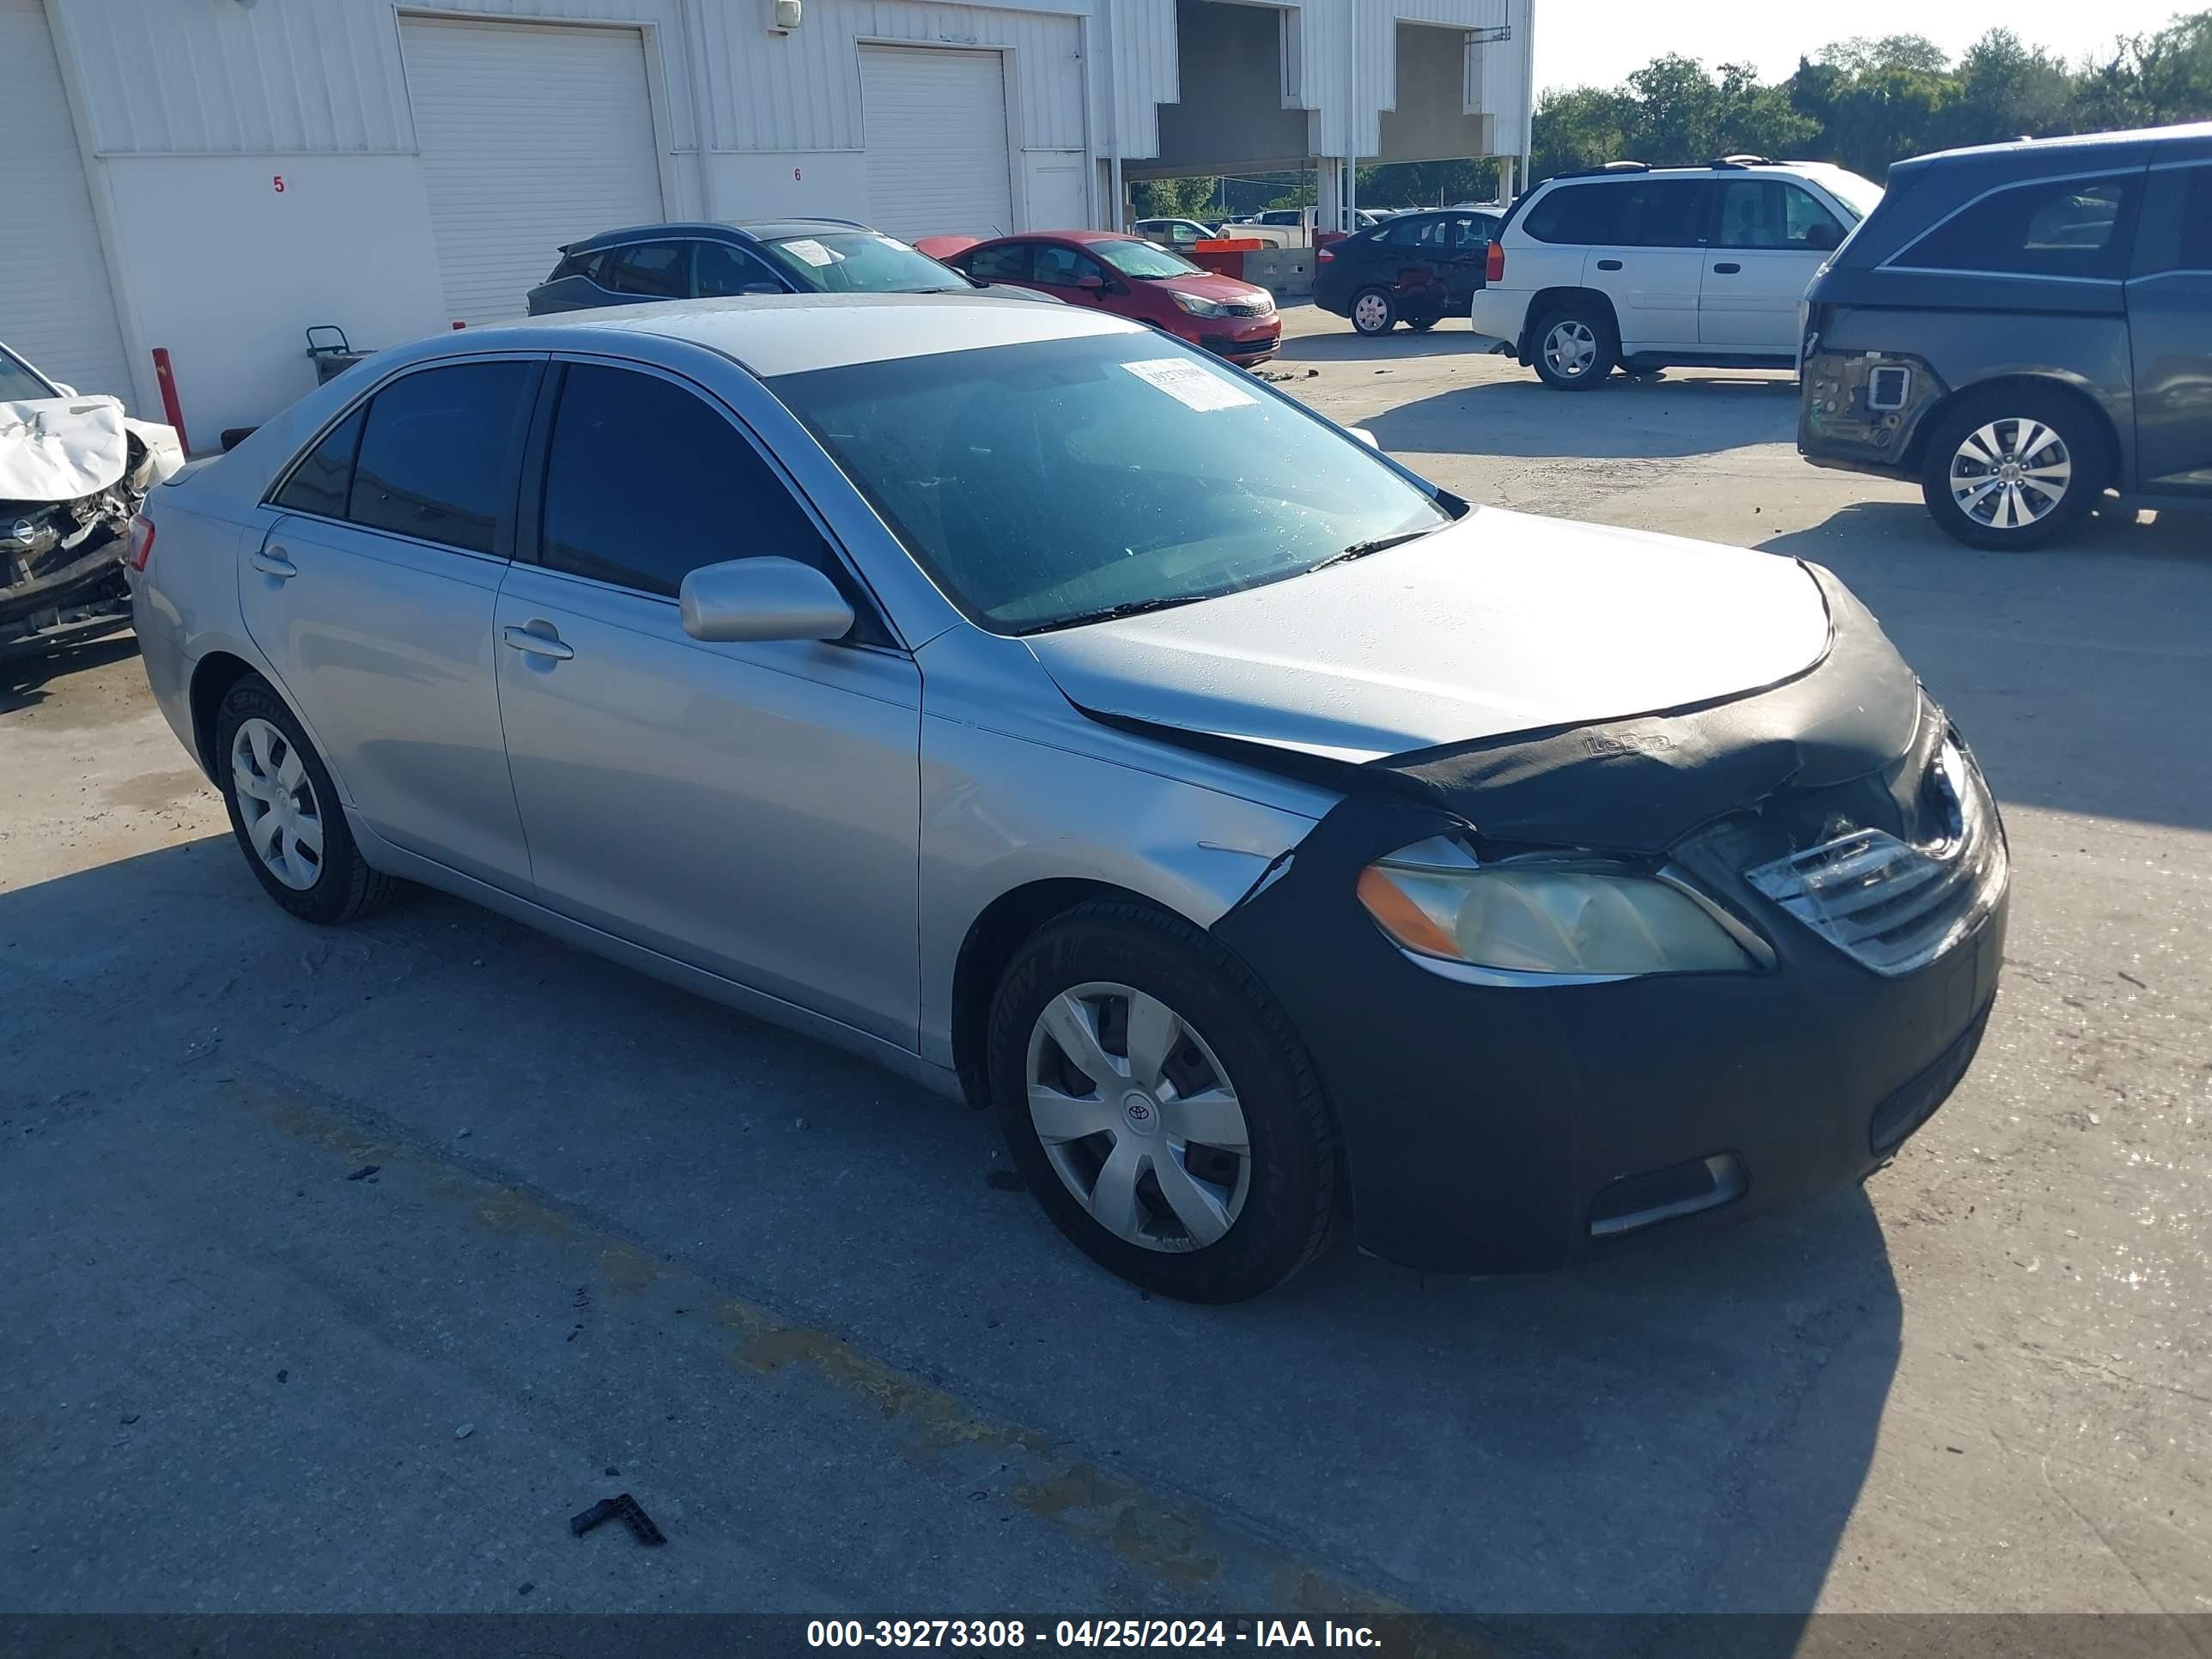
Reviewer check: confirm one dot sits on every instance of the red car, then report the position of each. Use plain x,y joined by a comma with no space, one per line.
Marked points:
1136,279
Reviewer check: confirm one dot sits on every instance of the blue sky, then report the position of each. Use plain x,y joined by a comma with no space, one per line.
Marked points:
1597,42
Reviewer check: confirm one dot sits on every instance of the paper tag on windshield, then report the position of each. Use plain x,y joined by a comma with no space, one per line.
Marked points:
811,250
1189,385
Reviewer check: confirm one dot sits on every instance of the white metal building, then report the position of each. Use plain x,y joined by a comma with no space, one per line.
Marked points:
210,177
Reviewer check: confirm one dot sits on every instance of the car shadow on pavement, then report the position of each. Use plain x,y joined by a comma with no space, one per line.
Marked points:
1641,420
2059,664
24,679
1349,346
1685,1428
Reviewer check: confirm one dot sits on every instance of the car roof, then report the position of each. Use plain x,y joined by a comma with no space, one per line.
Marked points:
740,230
2194,137
792,333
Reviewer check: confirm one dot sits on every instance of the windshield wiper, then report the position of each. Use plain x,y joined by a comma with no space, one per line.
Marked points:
1112,612
1361,550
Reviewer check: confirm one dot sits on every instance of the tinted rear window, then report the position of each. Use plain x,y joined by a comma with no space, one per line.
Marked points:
657,270
2196,252
2053,228
321,482
1624,213
438,455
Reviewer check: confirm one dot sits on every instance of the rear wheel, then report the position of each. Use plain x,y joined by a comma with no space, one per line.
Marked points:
1373,311
2013,468
284,810
1576,347
1160,1107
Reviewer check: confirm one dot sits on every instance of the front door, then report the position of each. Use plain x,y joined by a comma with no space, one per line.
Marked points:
749,809
372,598
1770,239
2170,333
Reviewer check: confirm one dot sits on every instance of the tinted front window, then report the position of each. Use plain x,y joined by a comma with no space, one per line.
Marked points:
1772,213
1008,262
321,481
860,262
1047,483
2059,227
438,456
645,482
723,270
650,270
1062,267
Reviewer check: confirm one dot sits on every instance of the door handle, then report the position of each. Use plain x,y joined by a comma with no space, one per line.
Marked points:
1726,268
1608,265
548,644
272,561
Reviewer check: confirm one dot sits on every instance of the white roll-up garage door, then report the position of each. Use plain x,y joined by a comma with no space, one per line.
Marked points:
936,133
55,305
533,134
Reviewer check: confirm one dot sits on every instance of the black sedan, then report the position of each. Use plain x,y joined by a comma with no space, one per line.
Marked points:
1415,269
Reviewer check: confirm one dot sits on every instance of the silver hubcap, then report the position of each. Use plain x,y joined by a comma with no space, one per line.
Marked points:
1370,312
277,801
1139,1117
1570,349
2010,474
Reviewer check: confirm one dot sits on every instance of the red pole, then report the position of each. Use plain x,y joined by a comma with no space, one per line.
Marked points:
170,406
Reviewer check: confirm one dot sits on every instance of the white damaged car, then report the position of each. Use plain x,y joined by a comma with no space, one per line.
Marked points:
73,471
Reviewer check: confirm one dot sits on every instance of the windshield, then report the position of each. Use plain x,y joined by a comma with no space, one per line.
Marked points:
862,262
18,382
1060,481
1145,259
1861,196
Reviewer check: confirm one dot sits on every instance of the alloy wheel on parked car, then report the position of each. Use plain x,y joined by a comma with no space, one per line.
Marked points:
1373,311
2009,474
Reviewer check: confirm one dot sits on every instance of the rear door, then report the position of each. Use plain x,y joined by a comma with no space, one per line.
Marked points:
1770,236
749,809
2170,331
372,599
1642,243
1467,253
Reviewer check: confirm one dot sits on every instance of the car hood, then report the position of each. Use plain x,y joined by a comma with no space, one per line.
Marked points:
57,449
1209,286
1499,624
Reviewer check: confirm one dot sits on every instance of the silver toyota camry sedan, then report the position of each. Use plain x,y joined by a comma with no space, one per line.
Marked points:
1280,845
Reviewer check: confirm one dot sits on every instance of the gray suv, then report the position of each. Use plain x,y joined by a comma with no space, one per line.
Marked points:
2022,327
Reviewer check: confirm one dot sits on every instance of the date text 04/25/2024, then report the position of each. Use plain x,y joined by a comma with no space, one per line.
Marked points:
1088,1633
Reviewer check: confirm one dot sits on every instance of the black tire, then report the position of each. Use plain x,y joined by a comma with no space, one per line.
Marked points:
2012,416
1292,1204
1388,312
1603,341
344,887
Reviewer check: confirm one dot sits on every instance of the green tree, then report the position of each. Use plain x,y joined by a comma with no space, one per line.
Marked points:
1427,183
1861,55
1172,198
2151,79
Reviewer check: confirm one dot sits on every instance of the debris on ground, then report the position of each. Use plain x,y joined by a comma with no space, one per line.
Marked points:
364,1172
626,1508
465,1431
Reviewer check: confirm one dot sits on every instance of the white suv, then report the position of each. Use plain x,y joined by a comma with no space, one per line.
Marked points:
1627,265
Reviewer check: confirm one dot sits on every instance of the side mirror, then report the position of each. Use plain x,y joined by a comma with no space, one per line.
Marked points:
1091,283
763,599
1366,437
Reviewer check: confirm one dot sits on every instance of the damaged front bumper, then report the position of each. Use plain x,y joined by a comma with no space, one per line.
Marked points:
62,569
1859,411
1497,1128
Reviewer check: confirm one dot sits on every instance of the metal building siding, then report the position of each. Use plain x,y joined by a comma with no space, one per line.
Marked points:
533,136
938,160
802,91
55,305
291,77
1325,31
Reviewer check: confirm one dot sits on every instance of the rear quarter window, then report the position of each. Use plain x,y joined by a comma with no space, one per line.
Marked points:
2068,228
1575,214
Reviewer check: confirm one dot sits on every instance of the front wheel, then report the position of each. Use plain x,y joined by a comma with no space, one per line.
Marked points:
1160,1107
1373,311
2012,469
1576,347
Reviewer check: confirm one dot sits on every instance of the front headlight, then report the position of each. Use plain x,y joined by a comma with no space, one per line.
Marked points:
1569,917
1198,306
